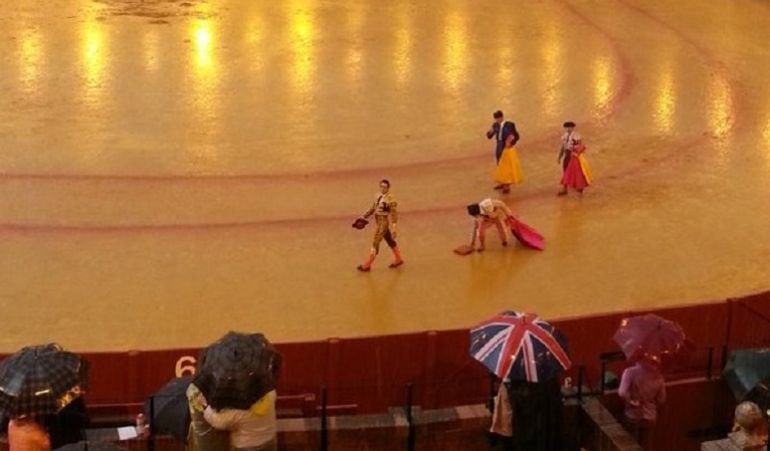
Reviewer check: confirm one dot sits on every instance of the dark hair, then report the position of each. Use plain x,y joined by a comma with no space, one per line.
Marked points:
474,209
498,114
385,181
569,124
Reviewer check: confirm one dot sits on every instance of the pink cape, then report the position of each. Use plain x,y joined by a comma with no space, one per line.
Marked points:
526,235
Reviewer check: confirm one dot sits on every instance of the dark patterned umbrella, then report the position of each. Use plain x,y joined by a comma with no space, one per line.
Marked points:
41,380
237,370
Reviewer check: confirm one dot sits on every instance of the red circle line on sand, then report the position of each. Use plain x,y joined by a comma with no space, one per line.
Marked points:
626,85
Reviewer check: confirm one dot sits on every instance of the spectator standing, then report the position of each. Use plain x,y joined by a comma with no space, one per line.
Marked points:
642,389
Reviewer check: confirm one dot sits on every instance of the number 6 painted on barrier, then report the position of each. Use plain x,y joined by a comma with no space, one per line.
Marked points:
185,366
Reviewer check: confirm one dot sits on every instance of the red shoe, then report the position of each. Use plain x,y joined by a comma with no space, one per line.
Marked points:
505,244
396,264
562,193
506,190
363,268
499,187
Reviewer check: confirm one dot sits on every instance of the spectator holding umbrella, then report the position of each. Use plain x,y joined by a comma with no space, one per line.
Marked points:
253,429
203,436
648,342
37,384
236,377
642,390
528,354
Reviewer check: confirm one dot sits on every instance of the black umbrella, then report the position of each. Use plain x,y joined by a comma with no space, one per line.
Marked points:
746,368
170,413
41,380
237,370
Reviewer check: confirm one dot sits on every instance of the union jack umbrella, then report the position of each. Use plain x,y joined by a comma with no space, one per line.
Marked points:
520,346
41,380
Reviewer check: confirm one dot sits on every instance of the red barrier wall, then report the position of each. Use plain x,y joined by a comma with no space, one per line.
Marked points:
372,372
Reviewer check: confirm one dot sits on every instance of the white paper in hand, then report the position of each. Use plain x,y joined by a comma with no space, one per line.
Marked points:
127,433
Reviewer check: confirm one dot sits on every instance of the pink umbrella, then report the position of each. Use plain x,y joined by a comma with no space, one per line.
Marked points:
650,336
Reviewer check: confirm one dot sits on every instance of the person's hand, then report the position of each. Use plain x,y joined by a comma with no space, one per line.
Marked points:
634,403
394,233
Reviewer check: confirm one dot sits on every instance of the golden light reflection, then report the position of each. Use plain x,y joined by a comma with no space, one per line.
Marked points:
665,101
401,58
403,44
354,53
505,73
456,55
94,57
254,37
150,45
205,101
551,73
720,107
603,80
203,47
31,58
302,34
766,133
765,151
255,34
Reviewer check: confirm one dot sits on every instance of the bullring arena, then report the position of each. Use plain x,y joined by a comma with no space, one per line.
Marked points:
170,172
174,170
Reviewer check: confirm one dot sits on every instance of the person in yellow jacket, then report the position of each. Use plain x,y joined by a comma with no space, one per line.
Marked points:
385,211
253,429
201,435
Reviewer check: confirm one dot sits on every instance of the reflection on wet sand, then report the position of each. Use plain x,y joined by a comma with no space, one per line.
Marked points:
302,36
150,49
31,59
554,58
604,72
665,101
402,49
456,56
94,57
